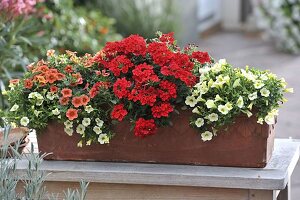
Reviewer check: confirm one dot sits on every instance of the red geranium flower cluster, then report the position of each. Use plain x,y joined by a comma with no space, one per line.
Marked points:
149,78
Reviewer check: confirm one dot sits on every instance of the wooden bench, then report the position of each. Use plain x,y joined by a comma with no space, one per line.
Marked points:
157,181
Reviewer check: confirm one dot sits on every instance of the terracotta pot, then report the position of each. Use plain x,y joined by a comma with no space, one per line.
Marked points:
244,144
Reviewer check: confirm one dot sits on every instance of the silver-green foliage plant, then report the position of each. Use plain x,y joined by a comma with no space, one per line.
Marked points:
33,179
224,92
143,17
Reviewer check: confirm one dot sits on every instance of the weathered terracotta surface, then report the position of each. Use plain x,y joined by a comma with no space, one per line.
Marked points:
244,144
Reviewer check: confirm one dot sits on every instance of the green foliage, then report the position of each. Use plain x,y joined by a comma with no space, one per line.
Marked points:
33,179
224,93
141,17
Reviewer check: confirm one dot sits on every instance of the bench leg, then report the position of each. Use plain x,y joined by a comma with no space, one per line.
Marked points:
262,195
286,193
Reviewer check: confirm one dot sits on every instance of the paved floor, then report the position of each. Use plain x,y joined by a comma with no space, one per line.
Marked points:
243,49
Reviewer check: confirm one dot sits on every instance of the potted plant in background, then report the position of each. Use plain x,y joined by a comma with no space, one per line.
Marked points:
146,87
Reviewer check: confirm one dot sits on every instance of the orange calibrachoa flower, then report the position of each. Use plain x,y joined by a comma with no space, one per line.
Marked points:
66,92
41,79
28,83
68,69
64,101
51,77
14,81
72,114
53,89
85,99
43,68
77,102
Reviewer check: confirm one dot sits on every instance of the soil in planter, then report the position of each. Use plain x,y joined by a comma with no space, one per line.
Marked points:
244,144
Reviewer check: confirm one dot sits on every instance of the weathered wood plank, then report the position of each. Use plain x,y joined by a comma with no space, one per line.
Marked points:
101,191
273,177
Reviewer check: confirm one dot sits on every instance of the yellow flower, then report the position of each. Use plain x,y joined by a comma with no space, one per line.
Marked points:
24,121
14,108
103,139
210,104
264,92
206,136
213,117
199,122
223,109
240,102
191,101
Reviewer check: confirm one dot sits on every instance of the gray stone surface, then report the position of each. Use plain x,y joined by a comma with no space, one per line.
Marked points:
273,177
241,49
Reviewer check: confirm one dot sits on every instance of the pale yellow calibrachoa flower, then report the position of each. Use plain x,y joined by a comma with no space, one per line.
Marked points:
99,122
258,84
97,130
252,96
55,111
264,92
89,109
14,108
103,139
80,129
206,136
210,104
191,101
223,109
86,122
199,122
213,117
24,121
68,124
240,102
69,131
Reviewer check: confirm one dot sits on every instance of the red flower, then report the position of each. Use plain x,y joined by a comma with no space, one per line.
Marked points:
144,73
93,92
160,53
28,83
146,96
167,90
144,127
118,112
201,57
68,69
121,87
119,64
85,99
64,101
66,92
110,48
53,89
161,110
167,37
134,44
72,114
77,101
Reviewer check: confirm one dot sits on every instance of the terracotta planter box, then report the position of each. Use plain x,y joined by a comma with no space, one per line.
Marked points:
244,144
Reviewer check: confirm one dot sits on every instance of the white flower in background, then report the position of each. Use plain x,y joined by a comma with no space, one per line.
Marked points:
217,67
39,102
203,88
55,111
51,95
103,139
210,83
86,122
290,90
68,124
236,83
199,122
97,130
258,84
206,136
248,75
240,102
36,112
247,112
14,108
271,75
223,109
204,70
195,92
213,117
80,129
99,122
275,112
260,121
69,131
252,96
229,105
24,121
270,119
210,104
223,61
191,101
218,98
89,109
264,92
264,77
